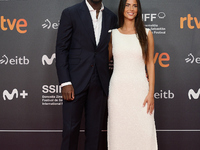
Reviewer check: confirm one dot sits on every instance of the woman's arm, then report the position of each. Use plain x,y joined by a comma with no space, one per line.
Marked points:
151,74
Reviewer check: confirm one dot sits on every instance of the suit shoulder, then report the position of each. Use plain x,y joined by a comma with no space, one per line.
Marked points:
109,12
72,8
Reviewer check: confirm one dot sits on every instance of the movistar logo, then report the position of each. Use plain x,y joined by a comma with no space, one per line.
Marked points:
193,94
47,60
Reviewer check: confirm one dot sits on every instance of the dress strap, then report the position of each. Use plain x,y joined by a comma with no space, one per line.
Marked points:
147,30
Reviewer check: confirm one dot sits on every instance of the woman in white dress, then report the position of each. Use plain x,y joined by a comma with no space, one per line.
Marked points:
131,124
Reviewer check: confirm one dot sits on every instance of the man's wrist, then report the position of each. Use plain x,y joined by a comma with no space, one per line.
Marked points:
65,84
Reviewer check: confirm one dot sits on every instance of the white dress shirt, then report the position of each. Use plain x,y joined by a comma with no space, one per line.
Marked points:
97,22
97,25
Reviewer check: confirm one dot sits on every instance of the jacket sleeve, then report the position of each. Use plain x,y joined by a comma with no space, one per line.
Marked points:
62,46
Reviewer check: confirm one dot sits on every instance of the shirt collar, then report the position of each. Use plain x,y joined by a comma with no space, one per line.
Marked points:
90,7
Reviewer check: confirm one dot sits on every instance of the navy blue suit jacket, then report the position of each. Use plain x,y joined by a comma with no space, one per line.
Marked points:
76,50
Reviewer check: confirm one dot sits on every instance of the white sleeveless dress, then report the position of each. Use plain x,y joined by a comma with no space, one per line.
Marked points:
129,125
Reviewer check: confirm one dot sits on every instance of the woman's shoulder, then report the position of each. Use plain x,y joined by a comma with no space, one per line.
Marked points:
147,30
114,30
149,33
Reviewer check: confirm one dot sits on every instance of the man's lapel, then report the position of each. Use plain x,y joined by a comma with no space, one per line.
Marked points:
105,27
87,21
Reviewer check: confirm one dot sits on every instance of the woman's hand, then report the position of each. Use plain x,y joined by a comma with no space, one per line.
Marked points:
150,103
150,74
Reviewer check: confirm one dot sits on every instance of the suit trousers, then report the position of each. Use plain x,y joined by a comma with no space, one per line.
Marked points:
94,100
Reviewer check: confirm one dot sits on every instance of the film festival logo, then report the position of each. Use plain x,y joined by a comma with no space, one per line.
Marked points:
47,60
49,97
192,22
14,94
14,61
193,94
191,59
49,25
8,24
150,18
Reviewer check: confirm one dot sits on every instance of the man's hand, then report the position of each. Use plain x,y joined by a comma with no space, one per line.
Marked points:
68,92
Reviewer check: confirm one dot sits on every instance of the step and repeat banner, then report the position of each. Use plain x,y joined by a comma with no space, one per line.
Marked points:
30,97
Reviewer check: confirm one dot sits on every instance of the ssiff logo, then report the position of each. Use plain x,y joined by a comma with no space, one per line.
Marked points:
191,21
193,94
51,89
20,25
153,25
152,16
48,61
13,94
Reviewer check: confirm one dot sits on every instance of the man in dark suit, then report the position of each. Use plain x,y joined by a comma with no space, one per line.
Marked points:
82,68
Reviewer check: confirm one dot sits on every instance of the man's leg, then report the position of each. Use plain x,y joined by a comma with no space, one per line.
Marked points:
72,114
94,113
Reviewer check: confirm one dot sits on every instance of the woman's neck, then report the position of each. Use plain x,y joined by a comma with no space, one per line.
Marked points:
129,26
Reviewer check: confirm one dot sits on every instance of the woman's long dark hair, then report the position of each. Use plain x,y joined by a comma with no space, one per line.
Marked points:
139,25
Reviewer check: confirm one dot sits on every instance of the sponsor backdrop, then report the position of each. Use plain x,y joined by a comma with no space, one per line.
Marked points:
30,99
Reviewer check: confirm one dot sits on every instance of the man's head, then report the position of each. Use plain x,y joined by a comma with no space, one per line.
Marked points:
95,1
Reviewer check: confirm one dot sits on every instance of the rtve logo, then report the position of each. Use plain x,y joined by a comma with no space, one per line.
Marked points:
14,94
20,24
193,94
49,61
191,22
162,57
